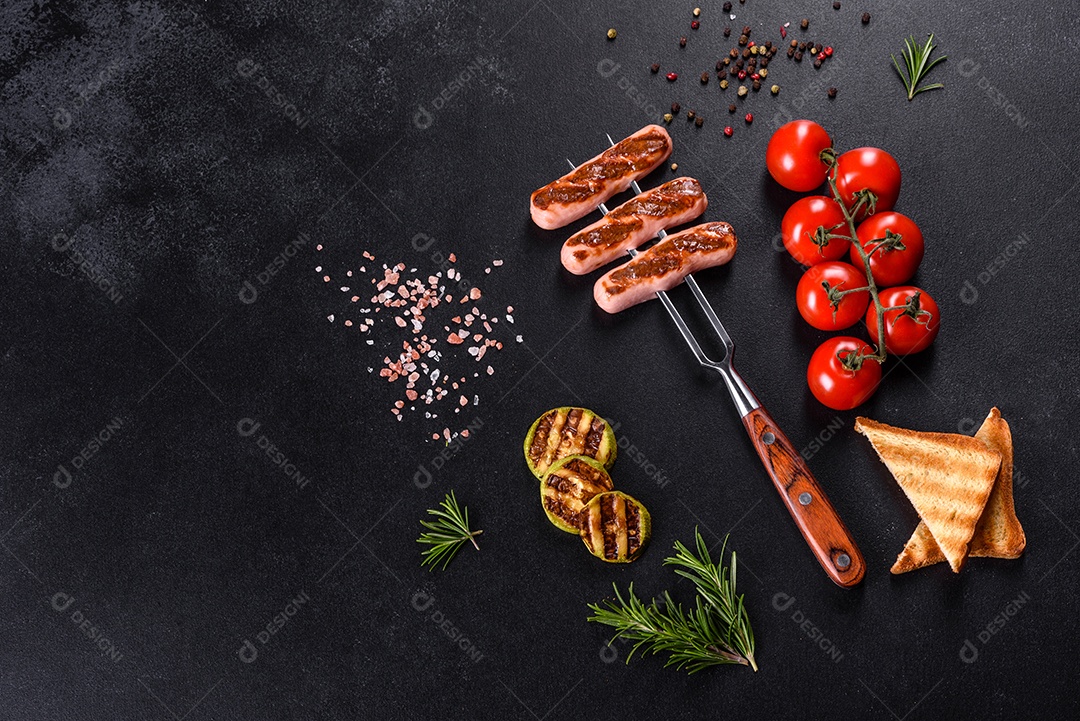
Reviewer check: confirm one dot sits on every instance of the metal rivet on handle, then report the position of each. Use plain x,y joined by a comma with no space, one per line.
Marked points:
805,498
843,561
768,438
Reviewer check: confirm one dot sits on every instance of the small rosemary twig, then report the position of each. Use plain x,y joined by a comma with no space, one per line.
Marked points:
918,64
450,531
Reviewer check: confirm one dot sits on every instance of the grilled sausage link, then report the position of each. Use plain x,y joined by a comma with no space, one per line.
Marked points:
577,193
632,223
665,265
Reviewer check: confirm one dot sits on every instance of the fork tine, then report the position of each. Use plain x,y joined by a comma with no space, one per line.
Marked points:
680,323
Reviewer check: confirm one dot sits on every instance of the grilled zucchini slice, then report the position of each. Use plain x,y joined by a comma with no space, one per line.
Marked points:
568,485
615,527
568,431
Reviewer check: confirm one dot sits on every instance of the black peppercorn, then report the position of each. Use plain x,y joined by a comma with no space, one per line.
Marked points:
798,56
727,31
791,52
682,42
675,108
746,30
804,23
704,78
727,7
866,18
817,63
699,121
831,92
836,5
731,108
743,40
689,114
655,68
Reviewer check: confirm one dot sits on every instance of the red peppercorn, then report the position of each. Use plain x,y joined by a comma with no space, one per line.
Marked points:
729,131
821,55
750,44
695,24
828,51
749,118
783,32
742,75
755,76
672,77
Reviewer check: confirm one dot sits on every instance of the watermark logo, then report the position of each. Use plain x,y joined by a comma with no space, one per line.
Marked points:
969,293
424,602
61,243
249,293
969,652
61,602
248,427
248,68
248,651
423,476
782,602
637,456
968,68
824,436
476,68
84,93
608,68
63,477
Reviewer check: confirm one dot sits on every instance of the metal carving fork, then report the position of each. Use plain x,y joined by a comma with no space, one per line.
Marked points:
817,519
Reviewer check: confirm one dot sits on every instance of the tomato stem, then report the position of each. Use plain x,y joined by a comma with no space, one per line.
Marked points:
863,198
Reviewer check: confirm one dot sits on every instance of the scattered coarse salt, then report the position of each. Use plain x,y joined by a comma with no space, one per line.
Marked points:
318,247
463,401
518,339
490,371
509,318
330,317
452,257
454,339
496,263
348,323
318,269
474,294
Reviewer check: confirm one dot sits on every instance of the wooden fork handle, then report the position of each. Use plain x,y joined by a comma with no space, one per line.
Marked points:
815,516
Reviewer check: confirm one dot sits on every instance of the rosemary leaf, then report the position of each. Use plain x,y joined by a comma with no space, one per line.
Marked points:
448,533
918,64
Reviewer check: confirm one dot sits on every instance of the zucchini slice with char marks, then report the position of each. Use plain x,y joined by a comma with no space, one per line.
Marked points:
568,485
615,527
568,431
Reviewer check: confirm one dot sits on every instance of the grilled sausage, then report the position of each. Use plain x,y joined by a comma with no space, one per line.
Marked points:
664,265
632,223
577,194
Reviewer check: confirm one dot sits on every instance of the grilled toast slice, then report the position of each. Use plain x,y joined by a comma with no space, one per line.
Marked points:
998,533
946,476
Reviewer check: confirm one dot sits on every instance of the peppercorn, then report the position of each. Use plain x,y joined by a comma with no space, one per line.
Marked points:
719,66
743,40
674,167
768,45
727,31
757,85
728,131
746,30
828,51
735,71
836,5
817,62
668,117
813,49
672,77
743,91
733,53
682,42
705,78
765,63
697,12
724,84
749,118
798,56
775,89
753,50
611,34
746,54
804,23
791,52
727,7
675,108
690,114
831,92
694,25
763,73
866,18
740,63
794,43
699,121
655,68
802,46
742,75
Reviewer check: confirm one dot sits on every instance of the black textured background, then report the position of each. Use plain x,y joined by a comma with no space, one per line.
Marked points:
135,134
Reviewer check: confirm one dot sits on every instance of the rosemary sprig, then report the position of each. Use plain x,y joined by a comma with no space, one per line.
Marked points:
918,65
450,532
715,632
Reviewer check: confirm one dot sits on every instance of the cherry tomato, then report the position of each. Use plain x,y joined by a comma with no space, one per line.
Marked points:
906,330
870,168
890,266
836,386
792,155
815,304
800,227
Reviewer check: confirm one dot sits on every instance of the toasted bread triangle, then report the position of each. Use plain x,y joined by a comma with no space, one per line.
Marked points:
998,533
946,476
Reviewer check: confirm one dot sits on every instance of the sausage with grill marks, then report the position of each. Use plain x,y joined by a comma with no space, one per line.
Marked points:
577,193
633,223
665,265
